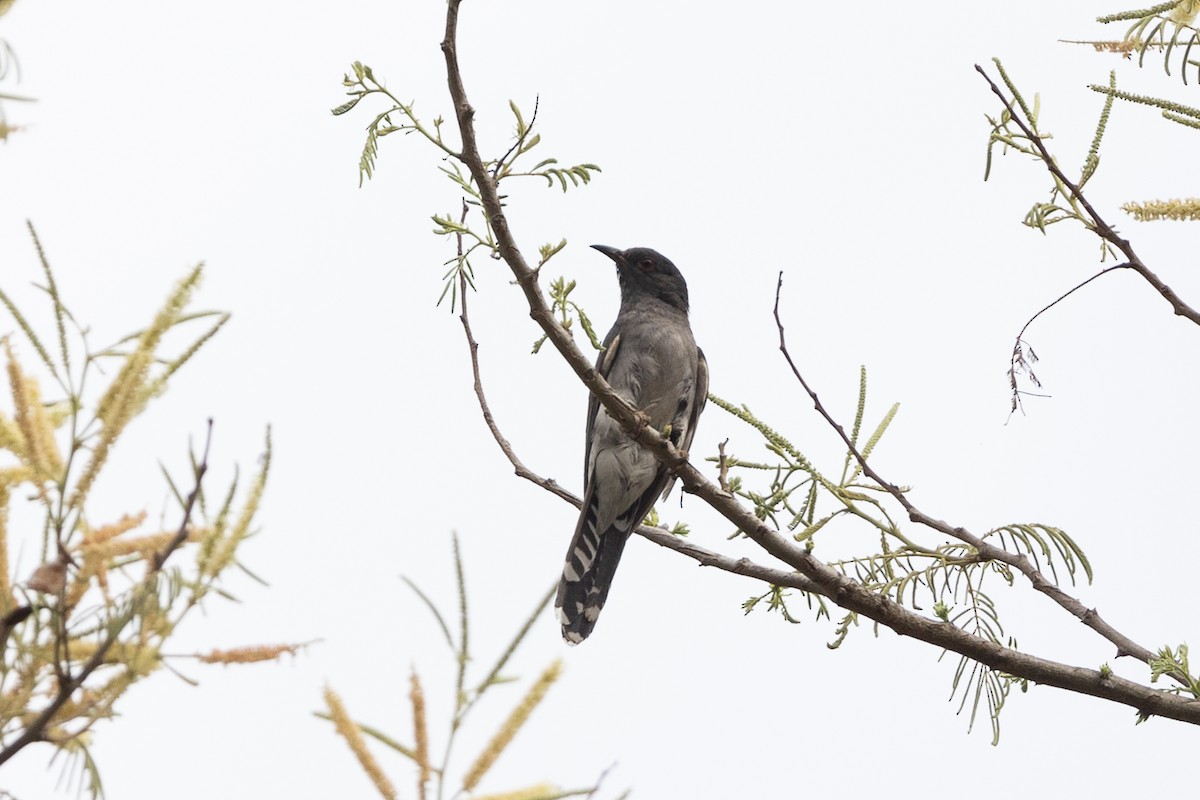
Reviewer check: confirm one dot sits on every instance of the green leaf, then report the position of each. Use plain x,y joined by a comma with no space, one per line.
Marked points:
548,251
346,106
521,128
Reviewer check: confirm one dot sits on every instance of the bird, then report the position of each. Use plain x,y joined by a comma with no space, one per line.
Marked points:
651,360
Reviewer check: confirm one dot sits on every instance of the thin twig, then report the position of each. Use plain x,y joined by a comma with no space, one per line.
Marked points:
460,651
596,786
522,471
520,140
181,535
1013,361
723,466
1017,358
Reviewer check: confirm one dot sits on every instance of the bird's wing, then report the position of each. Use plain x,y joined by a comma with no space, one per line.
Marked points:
699,398
604,364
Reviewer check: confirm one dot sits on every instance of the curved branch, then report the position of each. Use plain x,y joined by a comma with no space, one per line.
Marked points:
845,592
1103,229
1088,616
1017,359
1067,294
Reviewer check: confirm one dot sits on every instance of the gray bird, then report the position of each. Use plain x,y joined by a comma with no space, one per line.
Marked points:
650,359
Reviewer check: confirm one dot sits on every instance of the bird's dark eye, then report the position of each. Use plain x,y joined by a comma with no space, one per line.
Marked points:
646,264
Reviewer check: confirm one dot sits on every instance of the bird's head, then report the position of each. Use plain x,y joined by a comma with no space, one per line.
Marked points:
647,273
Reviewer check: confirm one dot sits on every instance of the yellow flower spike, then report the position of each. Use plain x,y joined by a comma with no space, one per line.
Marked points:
37,446
222,550
14,702
141,661
19,386
113,424
1153,210
11,438
138,659
249,655
146,545
109,692
101,547
509,729
43,431
15,476
93,565
105,532
420,733
122,400
353,736
133,371
6,596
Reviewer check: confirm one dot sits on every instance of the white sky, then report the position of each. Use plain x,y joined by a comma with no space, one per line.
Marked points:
842,144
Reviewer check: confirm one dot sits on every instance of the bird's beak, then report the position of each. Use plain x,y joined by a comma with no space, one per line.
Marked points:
612,252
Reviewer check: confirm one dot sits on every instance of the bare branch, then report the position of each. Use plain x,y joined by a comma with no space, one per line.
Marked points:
549,484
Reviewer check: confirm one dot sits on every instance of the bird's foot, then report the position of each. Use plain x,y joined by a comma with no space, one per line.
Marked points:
681,458
640,426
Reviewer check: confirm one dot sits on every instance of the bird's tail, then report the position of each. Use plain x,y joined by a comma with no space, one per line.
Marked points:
588,572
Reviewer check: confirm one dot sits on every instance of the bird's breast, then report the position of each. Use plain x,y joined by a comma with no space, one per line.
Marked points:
655,366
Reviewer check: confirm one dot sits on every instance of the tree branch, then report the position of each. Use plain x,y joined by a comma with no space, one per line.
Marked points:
1088,616
842,590
1102,228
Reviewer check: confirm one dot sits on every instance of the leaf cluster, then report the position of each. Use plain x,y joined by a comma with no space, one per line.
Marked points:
1174,663
475,229
1063,204
1168,28
568,311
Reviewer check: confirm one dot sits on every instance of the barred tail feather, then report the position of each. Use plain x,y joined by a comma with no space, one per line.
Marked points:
587,575
592,562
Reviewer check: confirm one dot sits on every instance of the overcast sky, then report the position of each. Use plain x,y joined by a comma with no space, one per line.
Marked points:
840,143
